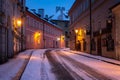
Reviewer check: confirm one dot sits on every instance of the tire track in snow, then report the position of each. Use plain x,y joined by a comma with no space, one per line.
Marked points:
60,72
93,74
43,72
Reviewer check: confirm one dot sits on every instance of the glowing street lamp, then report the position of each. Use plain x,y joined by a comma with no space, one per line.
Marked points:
19,23
58,39
36,37
76,31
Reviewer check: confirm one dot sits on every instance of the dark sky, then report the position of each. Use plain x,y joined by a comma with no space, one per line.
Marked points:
49,5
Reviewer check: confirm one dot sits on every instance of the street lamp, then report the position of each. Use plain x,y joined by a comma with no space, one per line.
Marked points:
110,20
19,23
37,37
58,39
76,32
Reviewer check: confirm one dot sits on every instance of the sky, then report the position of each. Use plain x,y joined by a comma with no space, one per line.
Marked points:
49,5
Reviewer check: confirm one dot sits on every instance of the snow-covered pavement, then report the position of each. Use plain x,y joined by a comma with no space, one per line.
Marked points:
38,68
109,70
59,64
12,69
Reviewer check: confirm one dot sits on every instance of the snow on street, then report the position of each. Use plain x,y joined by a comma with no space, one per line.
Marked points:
12,69
109,70
59,64
38,68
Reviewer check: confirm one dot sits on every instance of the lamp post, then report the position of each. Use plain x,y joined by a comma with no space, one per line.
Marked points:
19,24
76,32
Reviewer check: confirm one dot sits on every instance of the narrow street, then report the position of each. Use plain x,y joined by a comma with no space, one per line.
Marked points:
58,64
59,40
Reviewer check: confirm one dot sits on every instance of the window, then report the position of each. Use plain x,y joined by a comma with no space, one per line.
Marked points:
34,25
93,45
0,5
40,25
83,4
71,19
87,4
66,33
28,21
92,1
84,45
110,43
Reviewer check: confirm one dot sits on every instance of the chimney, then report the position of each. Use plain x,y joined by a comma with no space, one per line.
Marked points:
41,12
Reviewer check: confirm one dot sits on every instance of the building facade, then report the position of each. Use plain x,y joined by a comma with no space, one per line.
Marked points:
95,25
19,25
10,12
41,33
61,19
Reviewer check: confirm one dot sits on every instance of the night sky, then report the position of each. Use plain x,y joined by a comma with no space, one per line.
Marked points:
49,5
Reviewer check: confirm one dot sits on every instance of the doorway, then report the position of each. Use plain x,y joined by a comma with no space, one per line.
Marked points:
99,47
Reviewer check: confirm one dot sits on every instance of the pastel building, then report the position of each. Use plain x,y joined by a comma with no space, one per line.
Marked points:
41,33
61,18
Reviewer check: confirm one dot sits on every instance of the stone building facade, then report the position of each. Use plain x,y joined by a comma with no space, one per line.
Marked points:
116,13
41,33
104,20
10,34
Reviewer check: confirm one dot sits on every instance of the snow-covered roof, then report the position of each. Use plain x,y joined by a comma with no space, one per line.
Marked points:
35,14
60,15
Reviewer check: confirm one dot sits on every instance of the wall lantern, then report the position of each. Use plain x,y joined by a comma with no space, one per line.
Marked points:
19,22
109,20
58,39
63,37
76,31
37,37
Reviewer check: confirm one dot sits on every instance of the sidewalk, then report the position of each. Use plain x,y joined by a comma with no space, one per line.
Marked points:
13,69
108,60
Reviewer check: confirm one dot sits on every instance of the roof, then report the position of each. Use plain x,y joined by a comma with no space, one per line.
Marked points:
38,17
61,15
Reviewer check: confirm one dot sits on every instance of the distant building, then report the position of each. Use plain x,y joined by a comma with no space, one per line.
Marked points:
105,27
41,33
11,29
61,18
